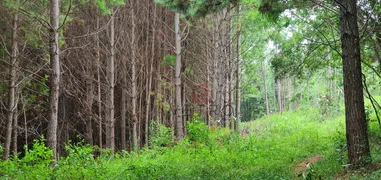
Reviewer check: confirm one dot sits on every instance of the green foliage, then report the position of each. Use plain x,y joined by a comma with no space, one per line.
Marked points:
160,135
79,163
34,165
195,8
275,145
188,70
104,6
310,174
1,148
38,155
325,105
44,89
198,132
169,60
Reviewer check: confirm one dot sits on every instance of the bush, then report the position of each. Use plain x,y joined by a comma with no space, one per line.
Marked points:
160,135
198,132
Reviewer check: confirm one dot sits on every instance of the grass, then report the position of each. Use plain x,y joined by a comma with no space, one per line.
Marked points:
274,148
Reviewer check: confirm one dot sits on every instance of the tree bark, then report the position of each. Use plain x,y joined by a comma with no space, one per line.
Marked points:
179,118
110,129
330,82
54,77
238,73
265,88
12,100
89,104
279,89
133,79
149,88
99,65
378,53
356,125
15,125
123,111
289,98
216,90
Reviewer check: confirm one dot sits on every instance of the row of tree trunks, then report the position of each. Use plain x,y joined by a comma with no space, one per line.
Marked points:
110,72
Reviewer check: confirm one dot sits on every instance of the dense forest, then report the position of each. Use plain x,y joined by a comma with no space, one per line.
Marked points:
190,89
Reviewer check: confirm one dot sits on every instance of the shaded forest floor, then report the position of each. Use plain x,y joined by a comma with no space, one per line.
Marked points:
282,146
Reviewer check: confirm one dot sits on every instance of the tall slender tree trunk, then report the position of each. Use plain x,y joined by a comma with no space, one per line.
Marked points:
54,77
289,83
110,129
378,38
149,87
89,104
123,110
216,90
265,88
231,72
279,91
283,93
15,125
238,72
133,79
179,118
356,125
330,83
12,100
99,65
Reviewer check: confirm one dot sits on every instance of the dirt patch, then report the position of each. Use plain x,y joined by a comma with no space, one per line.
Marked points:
302,166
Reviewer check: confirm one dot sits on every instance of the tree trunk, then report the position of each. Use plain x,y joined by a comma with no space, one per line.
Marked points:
99,65
378,38
179,118
289,83
123,111
279,89
15,126
89,104
110,129
216,70
148,100
330,82
238,73
133,79
231,72
12,102
356,125
54,77
265,88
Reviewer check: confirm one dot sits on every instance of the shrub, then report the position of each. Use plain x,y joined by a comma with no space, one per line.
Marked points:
160,135
198,132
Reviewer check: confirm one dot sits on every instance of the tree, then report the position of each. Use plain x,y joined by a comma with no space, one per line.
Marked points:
54,76
356,125
179,118
110,125
134,78
12,100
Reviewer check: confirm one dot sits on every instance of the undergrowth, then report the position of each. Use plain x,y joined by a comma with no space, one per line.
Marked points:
275,146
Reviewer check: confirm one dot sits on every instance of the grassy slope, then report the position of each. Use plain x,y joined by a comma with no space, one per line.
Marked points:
292,137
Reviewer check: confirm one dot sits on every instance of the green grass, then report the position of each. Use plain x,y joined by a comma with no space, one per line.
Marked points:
275,146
